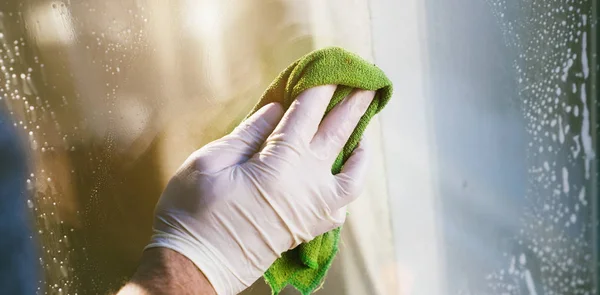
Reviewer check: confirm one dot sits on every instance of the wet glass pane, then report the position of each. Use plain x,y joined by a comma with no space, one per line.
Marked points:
109,97
513,92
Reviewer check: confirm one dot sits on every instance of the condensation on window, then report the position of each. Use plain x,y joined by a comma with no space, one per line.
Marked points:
553,252
40,69
62,82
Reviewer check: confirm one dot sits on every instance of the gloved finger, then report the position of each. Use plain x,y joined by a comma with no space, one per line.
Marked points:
243,142
339,124
301,120
254,131
338,217
350,181
333,220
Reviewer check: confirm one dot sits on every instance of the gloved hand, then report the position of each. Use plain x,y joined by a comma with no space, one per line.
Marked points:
239,202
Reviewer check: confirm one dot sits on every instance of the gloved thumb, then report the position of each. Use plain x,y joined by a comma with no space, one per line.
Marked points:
243,142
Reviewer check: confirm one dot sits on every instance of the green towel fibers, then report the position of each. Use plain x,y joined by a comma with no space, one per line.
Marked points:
305,266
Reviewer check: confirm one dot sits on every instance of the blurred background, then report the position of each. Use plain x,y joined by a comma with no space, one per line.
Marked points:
484,177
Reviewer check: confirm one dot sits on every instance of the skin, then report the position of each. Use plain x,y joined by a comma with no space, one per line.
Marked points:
164,271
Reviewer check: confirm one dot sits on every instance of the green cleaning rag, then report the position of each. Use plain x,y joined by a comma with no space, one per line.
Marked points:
305,266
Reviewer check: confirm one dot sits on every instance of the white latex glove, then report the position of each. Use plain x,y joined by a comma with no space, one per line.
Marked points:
239,202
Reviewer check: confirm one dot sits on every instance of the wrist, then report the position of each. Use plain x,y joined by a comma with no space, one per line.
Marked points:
216,267
165,271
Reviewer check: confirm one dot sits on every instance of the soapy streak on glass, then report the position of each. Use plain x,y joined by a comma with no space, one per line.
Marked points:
549,38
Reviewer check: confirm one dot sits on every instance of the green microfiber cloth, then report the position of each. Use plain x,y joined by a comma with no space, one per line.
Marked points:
305,266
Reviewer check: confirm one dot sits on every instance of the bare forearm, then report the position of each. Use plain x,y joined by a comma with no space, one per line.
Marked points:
164,271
